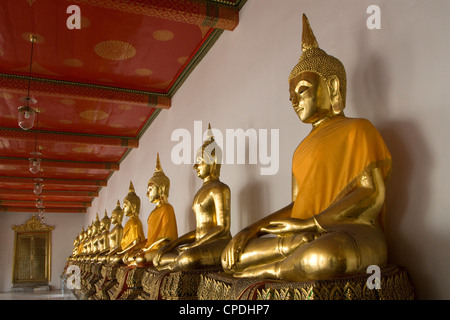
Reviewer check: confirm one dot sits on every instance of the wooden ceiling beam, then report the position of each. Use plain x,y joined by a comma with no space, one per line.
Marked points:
68,138
203,13
63,193
47,203
57,210
65,182
14,83
46,163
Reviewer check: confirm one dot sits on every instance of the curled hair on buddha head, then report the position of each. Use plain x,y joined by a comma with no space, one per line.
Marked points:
211,153
133,198
316,60
160,180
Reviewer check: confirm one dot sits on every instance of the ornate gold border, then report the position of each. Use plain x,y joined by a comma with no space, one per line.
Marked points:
31,227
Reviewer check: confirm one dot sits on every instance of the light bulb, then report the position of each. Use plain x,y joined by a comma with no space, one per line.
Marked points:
26,117
39,203
37,186
35,165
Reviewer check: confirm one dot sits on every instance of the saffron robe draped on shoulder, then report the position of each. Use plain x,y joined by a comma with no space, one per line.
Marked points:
161,224
328,162
131,232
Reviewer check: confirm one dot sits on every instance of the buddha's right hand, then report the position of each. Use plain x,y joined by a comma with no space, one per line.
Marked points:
232,252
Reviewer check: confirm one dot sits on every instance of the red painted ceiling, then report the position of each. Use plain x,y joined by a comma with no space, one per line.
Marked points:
98,88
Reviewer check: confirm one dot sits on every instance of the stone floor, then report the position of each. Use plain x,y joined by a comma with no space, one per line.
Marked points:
38,295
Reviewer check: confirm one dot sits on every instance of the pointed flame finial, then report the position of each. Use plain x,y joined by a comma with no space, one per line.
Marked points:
308,38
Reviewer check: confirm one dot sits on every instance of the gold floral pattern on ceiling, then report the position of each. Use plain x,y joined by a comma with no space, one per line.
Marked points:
115,50
163,35
94,115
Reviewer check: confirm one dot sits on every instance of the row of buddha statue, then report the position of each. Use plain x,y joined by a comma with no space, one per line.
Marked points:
332,228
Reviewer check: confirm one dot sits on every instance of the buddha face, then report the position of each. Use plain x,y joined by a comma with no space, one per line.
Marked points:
203,169
114,217
310,97
128,209
153,192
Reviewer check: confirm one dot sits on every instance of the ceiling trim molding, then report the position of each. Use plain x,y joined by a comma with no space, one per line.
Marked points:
204,13
62,193
66,137
50,163
56,210
16,83
65,182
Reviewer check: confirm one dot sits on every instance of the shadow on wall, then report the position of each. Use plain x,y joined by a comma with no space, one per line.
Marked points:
253,200
408,195
193,186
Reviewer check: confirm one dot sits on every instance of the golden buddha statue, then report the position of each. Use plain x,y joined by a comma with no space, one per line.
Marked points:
94,237
76,244
102,237
87,243
133,233
332,228
162,224
82,237
114,236
202,247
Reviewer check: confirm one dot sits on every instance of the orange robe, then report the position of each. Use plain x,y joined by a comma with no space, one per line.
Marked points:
327,163
131,232
161,224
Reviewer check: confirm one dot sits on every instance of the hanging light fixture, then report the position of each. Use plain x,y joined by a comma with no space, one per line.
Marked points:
41,215
35,160
39,203
37,189
26,114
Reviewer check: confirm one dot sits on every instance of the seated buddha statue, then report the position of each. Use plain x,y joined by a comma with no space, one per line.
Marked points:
133,233
81,237
94,237
87,243
162,224
332,228
114,236
76,243
202,247
102,237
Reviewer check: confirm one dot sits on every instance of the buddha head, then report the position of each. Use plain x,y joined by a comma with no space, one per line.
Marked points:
208,158
158,185
95,225
76,241
105,223
82,234
89,232
131,202
317,84
117,214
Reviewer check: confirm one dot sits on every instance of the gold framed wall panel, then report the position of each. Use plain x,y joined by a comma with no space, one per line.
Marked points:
32,253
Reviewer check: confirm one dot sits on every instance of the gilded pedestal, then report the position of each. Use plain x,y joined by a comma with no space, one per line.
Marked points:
395,285
107,282
165,285
132,286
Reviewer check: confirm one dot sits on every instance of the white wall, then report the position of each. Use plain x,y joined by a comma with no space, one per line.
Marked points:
67,226
396,79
